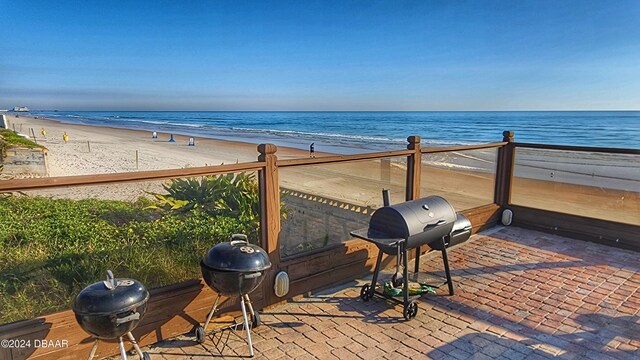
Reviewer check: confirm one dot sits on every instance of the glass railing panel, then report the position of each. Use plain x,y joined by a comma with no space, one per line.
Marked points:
324,202
465,178
592,184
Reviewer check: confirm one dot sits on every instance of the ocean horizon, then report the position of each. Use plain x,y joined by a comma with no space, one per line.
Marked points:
348,132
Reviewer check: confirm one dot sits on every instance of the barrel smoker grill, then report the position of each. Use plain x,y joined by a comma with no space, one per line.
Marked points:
396,229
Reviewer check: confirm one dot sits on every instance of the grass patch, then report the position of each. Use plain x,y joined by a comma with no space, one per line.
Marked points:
50,249
9,139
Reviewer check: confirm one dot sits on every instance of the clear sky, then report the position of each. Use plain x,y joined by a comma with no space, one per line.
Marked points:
320,55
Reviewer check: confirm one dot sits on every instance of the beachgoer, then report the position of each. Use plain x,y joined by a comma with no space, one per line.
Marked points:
154,135
44,132
65,137
312,150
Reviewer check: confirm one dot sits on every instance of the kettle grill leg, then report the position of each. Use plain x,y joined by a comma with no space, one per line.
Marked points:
135,344
123,352
93,350
246,297
246,326
447,272
213,310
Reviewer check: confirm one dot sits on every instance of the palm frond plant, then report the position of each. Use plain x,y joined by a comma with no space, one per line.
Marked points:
231,195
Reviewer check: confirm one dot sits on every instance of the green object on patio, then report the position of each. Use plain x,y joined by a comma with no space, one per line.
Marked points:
414,289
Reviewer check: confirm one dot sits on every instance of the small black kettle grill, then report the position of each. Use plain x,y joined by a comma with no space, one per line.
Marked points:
234,269
111,309
395,229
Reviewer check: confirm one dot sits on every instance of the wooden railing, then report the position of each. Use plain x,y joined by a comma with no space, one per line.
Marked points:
308,271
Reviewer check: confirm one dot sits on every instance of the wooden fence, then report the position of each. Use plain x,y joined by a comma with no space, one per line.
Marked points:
177,309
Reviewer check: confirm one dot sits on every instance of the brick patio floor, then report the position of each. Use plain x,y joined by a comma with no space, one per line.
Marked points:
519,294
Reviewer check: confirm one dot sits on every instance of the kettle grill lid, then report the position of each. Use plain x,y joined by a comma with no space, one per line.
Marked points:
237,255
109,297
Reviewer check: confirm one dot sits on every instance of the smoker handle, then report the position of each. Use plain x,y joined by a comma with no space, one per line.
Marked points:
252,275
126,319
440,222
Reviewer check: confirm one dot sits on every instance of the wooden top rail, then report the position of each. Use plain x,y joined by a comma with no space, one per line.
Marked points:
101,179
433,150
579,148
343,158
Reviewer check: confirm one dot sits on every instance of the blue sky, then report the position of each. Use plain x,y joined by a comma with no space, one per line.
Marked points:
320,55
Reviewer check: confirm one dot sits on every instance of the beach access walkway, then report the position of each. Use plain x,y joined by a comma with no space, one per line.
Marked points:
520,294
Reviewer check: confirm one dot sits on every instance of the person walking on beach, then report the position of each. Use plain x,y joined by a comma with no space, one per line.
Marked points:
312,150
65,137
44,133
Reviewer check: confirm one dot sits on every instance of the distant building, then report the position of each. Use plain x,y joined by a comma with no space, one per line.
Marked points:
21,109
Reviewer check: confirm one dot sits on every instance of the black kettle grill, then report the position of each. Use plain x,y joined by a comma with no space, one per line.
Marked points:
395,229
234,269
111,309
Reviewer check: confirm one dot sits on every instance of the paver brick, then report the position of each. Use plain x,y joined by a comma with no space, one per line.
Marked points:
515,299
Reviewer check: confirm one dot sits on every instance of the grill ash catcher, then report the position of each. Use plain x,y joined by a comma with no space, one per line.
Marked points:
395,229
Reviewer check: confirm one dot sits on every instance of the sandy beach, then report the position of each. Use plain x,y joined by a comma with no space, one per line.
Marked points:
464,178
114,150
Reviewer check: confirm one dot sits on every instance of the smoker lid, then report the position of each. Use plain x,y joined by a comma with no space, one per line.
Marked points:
413,217
110,297
237,255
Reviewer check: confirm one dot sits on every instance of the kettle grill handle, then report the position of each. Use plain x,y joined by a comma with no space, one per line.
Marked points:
238,238
126,319
110,283
252,275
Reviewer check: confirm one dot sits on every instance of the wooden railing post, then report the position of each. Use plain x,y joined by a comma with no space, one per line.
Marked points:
504,172
414,168
269,188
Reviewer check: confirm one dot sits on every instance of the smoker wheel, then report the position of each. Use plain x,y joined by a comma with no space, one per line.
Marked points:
200,334
365,294
410,310
146,356
255,319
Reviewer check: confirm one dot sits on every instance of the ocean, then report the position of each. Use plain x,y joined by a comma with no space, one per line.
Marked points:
354,132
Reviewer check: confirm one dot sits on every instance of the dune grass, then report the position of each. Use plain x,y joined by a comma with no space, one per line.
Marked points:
50,249
9,138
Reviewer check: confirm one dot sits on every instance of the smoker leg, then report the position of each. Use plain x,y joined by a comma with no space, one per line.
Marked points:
246,326
447,272
213,310
135,344
123,352
405,276
417,266
375,273
93,350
